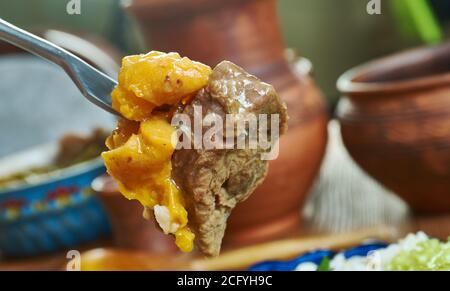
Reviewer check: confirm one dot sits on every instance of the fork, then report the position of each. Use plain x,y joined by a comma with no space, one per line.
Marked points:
93,84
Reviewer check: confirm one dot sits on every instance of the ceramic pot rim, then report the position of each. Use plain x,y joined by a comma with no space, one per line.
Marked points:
348,84
56,175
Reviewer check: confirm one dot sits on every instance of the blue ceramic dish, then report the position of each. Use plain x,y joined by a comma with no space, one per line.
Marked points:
56,212
315,257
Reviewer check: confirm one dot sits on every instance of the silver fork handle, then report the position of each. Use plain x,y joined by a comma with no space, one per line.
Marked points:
92,83
33,44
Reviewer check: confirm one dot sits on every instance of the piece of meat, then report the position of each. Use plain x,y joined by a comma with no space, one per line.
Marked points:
214,181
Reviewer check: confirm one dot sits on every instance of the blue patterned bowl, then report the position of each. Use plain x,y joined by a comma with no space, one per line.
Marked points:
57,212
315,257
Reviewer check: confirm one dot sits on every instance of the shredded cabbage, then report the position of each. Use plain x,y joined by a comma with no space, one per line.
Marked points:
428,255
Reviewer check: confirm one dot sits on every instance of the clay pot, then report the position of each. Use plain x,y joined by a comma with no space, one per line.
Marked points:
247,33
395,117
130,229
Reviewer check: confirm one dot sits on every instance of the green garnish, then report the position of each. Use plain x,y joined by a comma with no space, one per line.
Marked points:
429,255
324,265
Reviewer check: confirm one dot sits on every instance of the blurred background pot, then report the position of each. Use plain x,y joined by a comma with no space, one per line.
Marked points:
247,33
50,212
395,118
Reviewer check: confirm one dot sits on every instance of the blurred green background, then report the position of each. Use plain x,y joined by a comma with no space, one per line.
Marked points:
334,35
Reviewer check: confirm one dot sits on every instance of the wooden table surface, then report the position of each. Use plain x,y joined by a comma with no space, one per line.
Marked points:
344,198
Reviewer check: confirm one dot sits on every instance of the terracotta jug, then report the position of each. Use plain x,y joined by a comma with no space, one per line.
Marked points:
247,33
395,121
